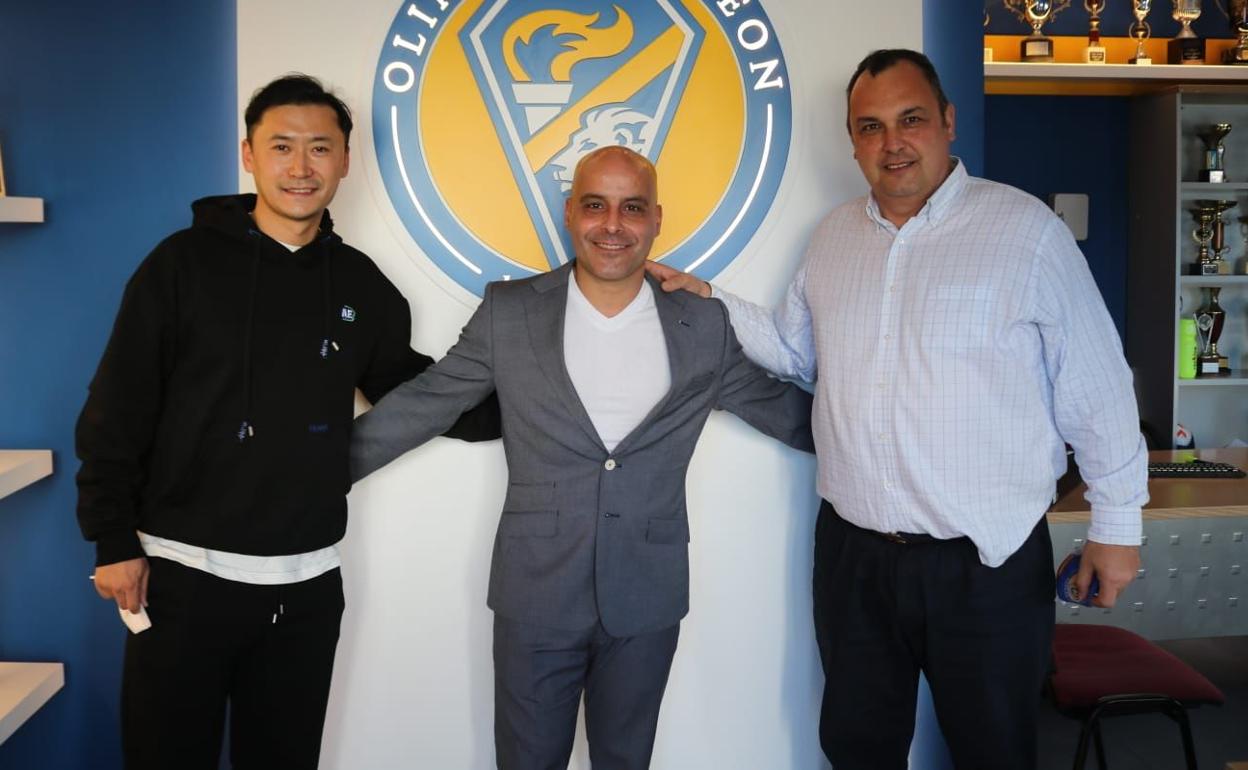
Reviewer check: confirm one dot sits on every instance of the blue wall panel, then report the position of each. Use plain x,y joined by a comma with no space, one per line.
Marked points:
118,115
1070,144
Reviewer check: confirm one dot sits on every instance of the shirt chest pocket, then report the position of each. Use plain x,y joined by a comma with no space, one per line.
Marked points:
958,318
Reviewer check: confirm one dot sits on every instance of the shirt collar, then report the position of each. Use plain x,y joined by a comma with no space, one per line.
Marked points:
936,207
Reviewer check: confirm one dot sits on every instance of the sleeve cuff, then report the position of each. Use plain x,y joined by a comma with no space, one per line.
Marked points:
1116,527
117,545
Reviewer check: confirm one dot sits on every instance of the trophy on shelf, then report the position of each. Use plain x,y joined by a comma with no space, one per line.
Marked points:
1094,53
1210,318
1237,12
1215,153
987,19
1036,47
1243,231
1186,47
1210,234
1140,30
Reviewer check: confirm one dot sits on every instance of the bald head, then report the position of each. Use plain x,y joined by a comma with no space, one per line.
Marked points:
638,161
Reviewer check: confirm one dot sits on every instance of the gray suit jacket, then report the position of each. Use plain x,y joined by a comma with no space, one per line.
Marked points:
585,534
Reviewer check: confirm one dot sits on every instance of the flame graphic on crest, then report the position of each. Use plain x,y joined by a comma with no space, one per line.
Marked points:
592,43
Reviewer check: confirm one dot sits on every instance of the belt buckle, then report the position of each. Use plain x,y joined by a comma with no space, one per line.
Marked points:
894,537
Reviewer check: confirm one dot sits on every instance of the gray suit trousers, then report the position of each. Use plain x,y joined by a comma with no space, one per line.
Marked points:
540,675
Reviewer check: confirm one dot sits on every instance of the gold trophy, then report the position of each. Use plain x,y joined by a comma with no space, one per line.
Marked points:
1237,12
1094,53
1215,152
1210,234
1186,47
1210,317
1140,30
1036,47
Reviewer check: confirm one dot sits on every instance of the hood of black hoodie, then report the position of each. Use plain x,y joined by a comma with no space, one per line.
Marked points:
231,215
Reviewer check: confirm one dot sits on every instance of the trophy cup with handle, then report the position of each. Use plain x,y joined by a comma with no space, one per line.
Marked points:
1036,47
1185,47
1236,12
1210,234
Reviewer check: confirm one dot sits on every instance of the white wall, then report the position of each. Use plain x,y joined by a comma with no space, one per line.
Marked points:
413,682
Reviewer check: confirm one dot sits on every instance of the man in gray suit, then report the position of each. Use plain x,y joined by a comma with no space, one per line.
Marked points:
604,385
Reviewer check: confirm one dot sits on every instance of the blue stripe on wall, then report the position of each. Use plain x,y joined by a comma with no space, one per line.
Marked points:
953,39
118,115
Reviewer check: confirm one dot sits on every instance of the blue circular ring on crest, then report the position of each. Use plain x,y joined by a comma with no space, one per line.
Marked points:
463,255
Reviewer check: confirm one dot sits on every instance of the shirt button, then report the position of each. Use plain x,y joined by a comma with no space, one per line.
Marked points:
609,464
888,336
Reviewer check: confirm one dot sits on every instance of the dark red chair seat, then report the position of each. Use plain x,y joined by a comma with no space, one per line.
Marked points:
1091,662
1102,671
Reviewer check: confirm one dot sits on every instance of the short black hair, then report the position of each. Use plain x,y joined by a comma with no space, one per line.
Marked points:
886,58
295,88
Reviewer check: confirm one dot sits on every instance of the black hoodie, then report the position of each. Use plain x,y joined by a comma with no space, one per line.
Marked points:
220,413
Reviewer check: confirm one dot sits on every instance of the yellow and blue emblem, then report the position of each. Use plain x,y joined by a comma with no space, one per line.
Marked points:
482,108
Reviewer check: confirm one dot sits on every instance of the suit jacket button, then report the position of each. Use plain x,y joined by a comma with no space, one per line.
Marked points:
609,464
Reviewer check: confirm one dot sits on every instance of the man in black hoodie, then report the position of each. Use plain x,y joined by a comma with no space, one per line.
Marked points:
214,449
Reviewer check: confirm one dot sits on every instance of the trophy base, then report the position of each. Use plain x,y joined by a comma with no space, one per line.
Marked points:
1208,268
1094,54
987,54
1208,366
1036,49
1142,60
1235,56
1186,50
1213,175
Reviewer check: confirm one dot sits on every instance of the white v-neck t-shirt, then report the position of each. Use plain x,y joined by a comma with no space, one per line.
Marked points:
618,365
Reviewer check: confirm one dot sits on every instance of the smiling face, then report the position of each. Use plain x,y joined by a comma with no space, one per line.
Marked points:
901,139
613,218
297,155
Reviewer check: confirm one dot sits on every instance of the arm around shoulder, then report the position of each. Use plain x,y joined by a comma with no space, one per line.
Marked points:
431,403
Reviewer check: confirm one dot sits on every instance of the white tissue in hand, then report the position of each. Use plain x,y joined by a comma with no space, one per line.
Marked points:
137,623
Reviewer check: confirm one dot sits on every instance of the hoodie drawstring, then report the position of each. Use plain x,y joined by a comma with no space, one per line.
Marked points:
245,429
327,307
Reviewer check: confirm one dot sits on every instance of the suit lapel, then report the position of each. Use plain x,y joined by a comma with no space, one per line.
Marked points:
545,311
679,333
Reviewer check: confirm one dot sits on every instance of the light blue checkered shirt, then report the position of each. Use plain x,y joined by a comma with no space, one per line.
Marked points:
955,358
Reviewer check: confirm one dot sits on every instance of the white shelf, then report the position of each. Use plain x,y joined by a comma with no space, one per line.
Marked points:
1216,190
1159,73
1234,379
13,209
23,467
1212,280
24,688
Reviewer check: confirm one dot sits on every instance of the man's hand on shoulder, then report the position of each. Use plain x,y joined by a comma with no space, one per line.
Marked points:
672,279
1114,565
125,582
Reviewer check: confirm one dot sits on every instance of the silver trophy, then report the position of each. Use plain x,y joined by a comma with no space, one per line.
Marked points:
1236,11
1186,47
1037,13
1140,30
